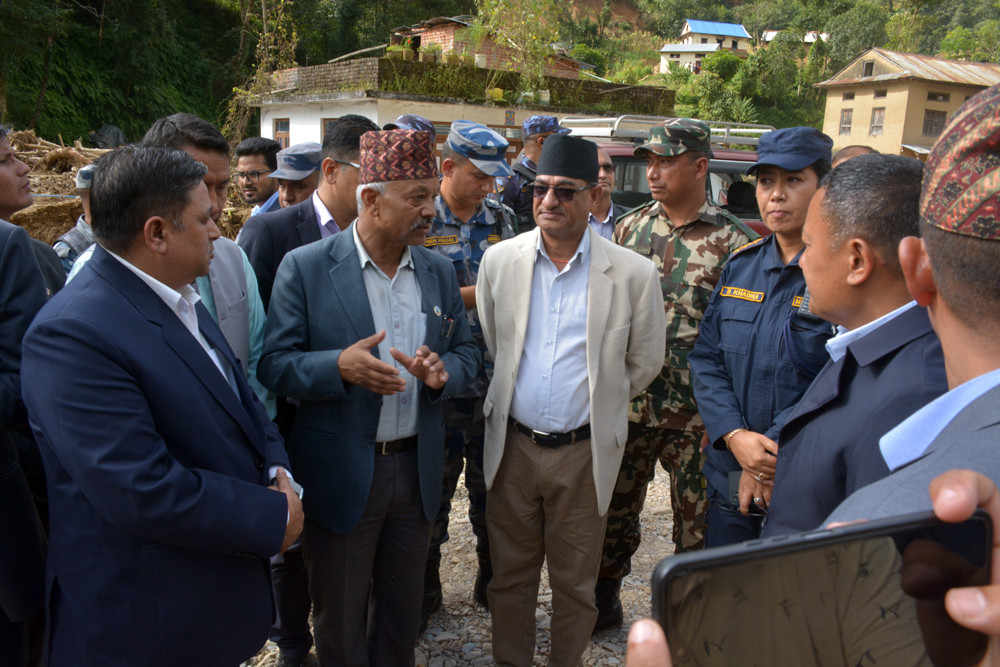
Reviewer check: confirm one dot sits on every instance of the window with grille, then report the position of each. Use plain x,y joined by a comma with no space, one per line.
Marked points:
934,122
878,121
846,115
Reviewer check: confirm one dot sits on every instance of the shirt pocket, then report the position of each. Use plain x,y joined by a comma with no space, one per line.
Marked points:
737,326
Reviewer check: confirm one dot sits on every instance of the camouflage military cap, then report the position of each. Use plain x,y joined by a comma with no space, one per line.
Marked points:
676,136
962,177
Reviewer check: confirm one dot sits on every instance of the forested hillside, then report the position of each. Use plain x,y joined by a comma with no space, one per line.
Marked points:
69,66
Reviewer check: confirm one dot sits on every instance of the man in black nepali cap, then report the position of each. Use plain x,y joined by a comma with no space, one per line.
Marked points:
567,360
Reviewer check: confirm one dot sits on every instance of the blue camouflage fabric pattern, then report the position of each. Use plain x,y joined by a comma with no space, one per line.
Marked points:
464,244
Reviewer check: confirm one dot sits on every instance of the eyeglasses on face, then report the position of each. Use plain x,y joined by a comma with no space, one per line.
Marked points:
350,164
251,176
607,166
562,194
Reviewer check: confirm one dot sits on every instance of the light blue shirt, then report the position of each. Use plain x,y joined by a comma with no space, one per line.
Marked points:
910,439
266,207
256,317
396,307
552,391
837,346
606,227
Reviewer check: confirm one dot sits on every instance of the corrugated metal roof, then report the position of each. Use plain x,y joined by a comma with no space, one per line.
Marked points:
928,68
716,28
690,48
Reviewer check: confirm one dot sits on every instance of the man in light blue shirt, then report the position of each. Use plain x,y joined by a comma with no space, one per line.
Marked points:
953,270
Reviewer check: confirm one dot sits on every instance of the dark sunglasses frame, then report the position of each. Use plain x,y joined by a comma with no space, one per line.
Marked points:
563,194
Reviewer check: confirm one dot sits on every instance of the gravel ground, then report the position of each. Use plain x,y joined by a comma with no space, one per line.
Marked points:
459,633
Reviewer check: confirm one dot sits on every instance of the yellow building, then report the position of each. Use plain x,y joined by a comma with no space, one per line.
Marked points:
899,103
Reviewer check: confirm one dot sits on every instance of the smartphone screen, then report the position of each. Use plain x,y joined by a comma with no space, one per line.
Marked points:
865,594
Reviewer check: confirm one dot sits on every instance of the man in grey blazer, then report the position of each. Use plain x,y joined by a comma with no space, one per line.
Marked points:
953,270
590,336
367,444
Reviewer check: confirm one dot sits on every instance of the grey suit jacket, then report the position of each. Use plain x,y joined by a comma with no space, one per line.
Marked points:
626,342
320,307
969,441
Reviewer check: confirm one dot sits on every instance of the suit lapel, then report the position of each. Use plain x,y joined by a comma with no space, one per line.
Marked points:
522,273
430,298
824,389
599,293
349,285
308,227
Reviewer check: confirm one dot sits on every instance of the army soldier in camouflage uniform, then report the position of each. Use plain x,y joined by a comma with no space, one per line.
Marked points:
466,223
517,190
689,238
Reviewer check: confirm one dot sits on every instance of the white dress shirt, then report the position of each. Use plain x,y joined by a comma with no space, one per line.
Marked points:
327,225
552,391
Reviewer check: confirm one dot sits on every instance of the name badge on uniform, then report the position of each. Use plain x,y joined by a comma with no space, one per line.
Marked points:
797,302
745,294
494,238
439,240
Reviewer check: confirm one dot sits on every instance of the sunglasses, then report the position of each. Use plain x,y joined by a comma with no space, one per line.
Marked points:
562,194
349,164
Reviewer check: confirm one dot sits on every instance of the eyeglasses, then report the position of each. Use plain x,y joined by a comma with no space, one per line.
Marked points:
562,194
351,164
607,166
251,176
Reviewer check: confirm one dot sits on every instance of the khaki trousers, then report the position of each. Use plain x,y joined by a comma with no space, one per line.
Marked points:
543,505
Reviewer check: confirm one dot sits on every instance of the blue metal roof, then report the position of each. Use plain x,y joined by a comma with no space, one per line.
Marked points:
716,28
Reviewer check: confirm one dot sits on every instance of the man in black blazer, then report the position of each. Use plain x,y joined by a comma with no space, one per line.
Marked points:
22,542
886,361
268,237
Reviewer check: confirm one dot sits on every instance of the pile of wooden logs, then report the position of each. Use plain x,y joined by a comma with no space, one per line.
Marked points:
59,158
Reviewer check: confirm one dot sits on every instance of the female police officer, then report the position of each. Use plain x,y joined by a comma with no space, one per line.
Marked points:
759,347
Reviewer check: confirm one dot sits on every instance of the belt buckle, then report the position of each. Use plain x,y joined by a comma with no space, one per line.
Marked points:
536,434
381,446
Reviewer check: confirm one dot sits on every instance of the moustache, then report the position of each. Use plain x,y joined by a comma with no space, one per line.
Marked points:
423,222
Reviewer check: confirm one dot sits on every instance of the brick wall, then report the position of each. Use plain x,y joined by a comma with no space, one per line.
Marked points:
360,73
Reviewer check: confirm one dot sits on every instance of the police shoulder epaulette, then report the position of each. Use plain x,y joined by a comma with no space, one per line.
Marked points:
745,246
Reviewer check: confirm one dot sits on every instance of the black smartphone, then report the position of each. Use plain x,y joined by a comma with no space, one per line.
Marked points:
870,593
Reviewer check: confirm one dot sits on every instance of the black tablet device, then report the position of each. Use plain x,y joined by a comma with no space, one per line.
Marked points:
870,593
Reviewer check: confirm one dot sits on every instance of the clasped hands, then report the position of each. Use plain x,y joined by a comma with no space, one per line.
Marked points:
361,368
757,455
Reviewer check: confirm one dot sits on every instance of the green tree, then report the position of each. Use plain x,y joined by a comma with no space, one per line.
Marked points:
723,63
855,30
960,43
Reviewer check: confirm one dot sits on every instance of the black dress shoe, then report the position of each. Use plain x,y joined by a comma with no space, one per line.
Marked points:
609,605
432,594
285,661
483,577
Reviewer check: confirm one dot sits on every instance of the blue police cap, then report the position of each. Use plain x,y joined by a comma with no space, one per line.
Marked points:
484,147
298,161
411,121
792,148
539,124
85,177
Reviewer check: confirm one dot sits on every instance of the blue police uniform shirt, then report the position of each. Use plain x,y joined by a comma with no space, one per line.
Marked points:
464,243
756,352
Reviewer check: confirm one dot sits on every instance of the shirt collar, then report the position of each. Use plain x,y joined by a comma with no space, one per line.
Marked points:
177,300
323,213
405,260
608,218
837,346
582,249
911,438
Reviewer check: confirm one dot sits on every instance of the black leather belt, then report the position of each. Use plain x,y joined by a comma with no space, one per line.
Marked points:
553,439
395,446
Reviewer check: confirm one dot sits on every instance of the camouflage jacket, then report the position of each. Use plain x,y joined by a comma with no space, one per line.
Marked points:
463,244
690,257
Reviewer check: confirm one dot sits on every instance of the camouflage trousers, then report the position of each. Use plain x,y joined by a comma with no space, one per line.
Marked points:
464,430
679,454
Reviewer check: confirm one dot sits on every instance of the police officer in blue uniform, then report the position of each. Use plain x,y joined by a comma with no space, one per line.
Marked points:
517,190
466,223
759,347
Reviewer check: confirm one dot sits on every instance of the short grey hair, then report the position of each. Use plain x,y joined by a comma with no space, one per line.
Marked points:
4,131
378,187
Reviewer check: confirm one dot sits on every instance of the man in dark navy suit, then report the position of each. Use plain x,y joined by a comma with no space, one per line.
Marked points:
266,238
886,361
167,484
22,543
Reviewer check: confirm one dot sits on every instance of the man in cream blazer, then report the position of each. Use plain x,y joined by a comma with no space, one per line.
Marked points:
576,328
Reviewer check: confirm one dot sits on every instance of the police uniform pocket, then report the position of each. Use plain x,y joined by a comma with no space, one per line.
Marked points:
737,324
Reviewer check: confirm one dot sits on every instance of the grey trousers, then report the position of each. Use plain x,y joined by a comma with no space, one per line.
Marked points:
366,585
